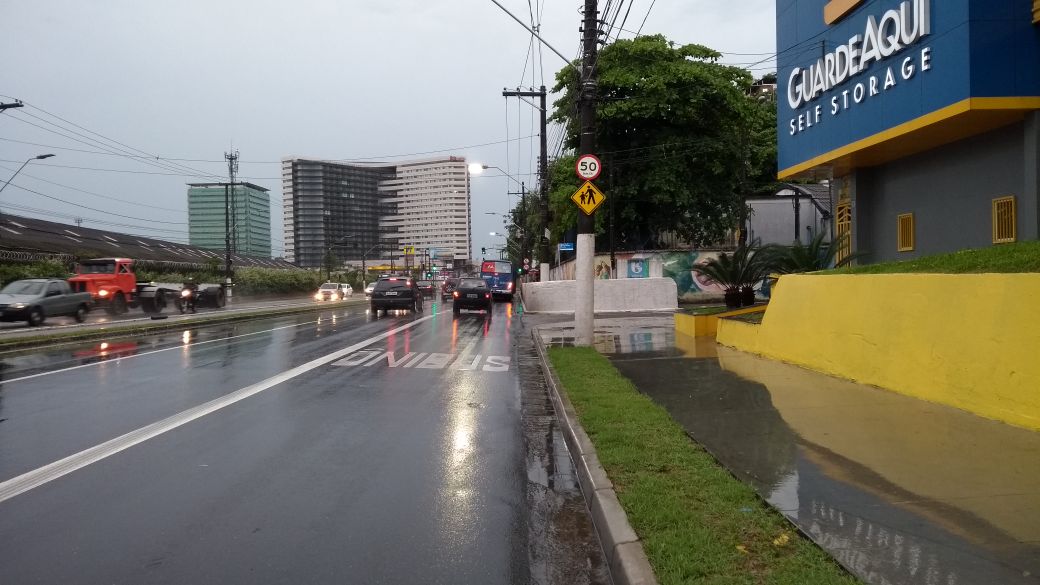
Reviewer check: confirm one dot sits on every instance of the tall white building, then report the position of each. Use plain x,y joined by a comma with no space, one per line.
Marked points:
431,199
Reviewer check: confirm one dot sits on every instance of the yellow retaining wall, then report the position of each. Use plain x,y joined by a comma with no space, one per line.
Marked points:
971,341
707,325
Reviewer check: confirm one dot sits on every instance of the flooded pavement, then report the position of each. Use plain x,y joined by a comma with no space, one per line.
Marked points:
898,490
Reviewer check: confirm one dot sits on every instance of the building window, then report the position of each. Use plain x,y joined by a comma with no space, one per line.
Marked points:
905,232
1005,220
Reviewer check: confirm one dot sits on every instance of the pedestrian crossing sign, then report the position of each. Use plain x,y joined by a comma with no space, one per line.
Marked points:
588,197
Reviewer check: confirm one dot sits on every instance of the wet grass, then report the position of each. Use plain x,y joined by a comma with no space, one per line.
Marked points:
697,522
704,309
750,317
1003,258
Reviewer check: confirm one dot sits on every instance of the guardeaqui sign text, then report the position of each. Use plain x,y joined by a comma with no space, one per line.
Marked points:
897,30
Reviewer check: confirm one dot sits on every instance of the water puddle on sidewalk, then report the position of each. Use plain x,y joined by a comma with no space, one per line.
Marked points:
898,490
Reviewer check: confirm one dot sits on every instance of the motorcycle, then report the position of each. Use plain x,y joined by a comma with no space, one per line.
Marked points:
189,297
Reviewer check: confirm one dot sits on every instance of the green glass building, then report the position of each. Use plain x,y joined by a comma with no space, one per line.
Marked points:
250,222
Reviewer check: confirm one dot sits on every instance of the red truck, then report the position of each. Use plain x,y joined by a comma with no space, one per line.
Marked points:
113,286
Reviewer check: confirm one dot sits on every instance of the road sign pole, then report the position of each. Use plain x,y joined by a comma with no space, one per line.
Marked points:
584,302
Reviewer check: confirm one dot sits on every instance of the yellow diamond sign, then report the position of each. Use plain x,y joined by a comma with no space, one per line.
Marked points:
588,198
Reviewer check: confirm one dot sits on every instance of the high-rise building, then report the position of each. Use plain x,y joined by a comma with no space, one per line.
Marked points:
331,207
250,217
431,206
348,209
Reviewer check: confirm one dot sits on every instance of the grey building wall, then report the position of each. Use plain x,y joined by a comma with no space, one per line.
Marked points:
772,220
950,191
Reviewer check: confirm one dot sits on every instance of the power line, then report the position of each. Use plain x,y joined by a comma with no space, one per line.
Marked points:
94,208
652,2
95,194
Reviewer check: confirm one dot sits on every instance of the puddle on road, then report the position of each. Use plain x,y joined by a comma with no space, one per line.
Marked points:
898,490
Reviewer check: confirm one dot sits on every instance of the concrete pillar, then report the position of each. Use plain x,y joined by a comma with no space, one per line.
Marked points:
584,310
543,272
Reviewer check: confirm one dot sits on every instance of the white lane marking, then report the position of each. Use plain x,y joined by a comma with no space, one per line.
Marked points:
47,473
126,357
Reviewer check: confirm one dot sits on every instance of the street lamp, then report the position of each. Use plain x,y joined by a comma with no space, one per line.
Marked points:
40,157
478,168
328,251
364,267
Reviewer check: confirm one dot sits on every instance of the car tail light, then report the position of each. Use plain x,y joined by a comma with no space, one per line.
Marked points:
510,286
455,294
487,295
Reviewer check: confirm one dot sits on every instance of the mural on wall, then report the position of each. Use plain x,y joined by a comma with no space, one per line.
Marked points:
639,268
603,269
679,267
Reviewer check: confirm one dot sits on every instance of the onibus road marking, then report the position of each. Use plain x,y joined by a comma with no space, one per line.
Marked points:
47,473
463,361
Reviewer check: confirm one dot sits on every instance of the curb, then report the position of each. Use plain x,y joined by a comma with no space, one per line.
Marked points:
622,547
116,330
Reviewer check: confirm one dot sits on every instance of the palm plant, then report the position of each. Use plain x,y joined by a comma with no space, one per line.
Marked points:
740,271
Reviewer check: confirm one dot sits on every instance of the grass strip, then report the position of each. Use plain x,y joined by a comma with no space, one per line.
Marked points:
705,309
697,522
116,330
1003,258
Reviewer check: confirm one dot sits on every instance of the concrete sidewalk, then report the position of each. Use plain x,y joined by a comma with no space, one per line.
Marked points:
898,490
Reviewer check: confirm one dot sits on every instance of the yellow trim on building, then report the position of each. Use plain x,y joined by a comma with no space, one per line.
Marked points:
835,10
960,108
1036,11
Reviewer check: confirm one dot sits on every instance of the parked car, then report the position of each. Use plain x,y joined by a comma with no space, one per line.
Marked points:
448,287
425,287
396,292
368,289
334,291
474,294
35,299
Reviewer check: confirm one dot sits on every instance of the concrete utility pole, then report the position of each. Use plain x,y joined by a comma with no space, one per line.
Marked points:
544,253
584,303
229,206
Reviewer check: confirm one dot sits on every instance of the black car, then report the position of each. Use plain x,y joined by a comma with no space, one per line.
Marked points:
396,292
472,293
425,287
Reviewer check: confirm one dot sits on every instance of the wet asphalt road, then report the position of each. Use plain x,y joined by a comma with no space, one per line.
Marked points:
347,449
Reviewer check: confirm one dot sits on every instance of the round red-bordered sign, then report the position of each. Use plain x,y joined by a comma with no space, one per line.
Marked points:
588,167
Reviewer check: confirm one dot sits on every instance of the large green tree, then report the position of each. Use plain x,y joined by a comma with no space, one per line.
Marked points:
682,141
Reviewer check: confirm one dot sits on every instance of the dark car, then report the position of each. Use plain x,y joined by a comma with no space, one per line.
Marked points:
448,287
425,287
396,292
472,293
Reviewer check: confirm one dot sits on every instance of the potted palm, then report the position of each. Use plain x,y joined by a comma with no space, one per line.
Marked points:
726,271
738,272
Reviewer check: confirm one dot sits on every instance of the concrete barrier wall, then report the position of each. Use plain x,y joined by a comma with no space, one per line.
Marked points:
969,341
626,294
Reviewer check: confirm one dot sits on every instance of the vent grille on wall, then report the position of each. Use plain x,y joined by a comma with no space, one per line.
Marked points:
905,232
1005,220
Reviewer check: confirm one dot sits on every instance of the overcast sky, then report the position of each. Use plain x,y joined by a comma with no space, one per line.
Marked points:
332,79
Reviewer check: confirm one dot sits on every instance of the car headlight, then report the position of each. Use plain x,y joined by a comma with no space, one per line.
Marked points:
317,297
186,292
18,306
102,293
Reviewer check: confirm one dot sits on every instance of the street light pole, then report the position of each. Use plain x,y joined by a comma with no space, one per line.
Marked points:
39,157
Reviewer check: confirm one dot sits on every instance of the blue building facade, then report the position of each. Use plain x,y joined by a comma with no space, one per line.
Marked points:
922,114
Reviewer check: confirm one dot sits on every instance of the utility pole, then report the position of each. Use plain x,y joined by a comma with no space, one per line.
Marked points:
544,252
232,160
584,302
229,211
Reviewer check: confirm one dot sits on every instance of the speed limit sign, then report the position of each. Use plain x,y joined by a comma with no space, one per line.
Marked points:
588,167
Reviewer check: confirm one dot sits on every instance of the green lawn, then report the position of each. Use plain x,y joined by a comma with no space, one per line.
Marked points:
698,523
1020,257
703,309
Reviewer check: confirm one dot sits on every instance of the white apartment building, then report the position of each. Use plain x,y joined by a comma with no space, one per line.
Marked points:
432,202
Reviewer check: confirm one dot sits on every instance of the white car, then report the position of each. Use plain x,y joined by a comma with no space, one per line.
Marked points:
346,291
368,290
333,291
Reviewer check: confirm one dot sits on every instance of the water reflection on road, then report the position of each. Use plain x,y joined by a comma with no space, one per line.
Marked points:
897,489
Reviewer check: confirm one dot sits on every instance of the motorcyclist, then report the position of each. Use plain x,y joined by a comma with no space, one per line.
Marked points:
189,295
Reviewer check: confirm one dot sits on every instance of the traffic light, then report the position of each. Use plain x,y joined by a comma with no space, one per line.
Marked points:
520,271
483,251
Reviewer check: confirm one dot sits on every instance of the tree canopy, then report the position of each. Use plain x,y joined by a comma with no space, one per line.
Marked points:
682,140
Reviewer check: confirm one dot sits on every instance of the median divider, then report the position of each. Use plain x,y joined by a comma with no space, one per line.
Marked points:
117,329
